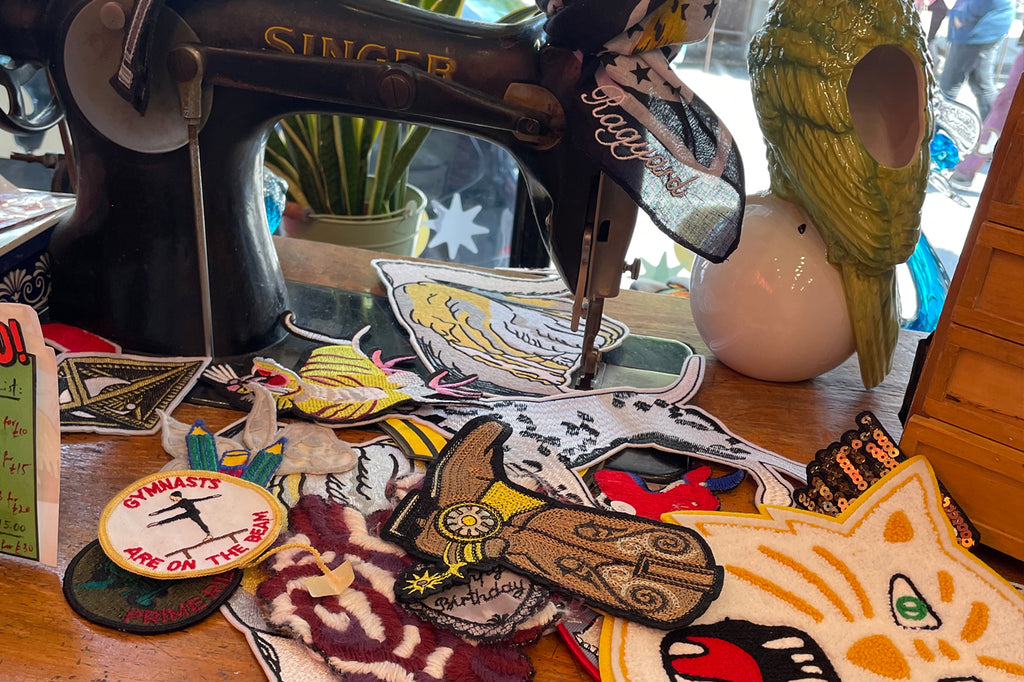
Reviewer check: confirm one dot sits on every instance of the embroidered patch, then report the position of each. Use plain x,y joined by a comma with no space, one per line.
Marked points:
728,650
841,472
418,441
629,493
338,384
489,607
580,629
121,394
104,593
468,515
255,468
181,524
883,590
380,471
513,334
577,430
363,631
282,657
312,448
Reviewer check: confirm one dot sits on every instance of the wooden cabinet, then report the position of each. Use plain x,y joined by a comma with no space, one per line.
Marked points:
967,413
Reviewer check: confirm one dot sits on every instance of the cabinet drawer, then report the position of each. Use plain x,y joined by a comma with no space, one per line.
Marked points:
991,297
978,386
1007,191
985,477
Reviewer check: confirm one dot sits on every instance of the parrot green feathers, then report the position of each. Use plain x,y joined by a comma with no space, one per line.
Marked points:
842,91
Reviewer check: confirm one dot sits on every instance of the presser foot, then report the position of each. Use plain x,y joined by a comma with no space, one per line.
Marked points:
590,357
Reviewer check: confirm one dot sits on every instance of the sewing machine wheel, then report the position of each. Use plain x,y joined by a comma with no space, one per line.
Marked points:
25,117
92,55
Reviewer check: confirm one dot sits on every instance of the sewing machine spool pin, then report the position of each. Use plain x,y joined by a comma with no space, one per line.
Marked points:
186,66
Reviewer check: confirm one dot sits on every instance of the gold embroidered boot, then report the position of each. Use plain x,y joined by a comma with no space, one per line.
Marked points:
469,515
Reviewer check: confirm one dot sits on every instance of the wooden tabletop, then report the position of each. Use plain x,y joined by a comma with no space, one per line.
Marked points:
41,638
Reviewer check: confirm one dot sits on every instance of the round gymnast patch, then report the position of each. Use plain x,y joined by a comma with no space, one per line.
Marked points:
182,524
104,593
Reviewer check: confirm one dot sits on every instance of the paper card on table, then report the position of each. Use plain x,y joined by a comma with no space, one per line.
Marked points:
29,438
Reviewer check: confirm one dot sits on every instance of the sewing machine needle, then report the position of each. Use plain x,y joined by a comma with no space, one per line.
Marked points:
186,65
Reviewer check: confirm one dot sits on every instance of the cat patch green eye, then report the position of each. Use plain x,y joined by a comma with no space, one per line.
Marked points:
909,607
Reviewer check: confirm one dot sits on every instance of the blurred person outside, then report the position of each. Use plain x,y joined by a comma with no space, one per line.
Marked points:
963,173
937,9
975,29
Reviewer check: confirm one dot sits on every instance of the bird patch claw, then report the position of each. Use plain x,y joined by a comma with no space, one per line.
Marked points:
453,388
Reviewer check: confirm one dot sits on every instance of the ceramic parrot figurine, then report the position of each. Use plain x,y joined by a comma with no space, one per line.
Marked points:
842,90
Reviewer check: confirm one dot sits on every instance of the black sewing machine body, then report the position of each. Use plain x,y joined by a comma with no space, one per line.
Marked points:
125,263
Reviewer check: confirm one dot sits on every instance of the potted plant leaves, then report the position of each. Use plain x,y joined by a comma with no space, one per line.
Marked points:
348,176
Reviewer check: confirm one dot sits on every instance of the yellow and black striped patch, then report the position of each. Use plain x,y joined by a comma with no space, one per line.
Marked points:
418,441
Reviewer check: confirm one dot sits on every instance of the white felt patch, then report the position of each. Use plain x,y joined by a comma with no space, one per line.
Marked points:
182,524
882,592
512,333
554,434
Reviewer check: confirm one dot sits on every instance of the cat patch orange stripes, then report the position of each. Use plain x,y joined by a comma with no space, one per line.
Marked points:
851,579
947,650
776,591
923,651
977,623
877,654
811,577
931,609
898,528
945,586
1005,666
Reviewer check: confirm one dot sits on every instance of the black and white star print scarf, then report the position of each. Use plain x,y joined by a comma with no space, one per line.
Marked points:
643,125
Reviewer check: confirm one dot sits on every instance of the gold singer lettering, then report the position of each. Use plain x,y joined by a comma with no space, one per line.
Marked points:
291,41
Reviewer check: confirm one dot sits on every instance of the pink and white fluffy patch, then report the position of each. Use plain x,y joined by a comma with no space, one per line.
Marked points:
362,633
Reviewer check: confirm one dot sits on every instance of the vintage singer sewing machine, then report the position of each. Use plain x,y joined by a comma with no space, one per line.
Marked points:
212,77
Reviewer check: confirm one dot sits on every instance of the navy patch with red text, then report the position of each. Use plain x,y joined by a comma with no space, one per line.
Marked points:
106,594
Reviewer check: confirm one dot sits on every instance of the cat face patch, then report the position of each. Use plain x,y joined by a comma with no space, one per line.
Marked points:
180,524
121,394
469,516
104,593
883,590
513,334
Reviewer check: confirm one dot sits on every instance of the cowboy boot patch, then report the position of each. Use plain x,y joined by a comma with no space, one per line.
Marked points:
469,515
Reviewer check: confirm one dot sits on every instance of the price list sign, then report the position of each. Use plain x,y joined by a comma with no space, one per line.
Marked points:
29,438
18,530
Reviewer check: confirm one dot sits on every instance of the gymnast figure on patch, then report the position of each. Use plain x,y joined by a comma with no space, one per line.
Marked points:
188,511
